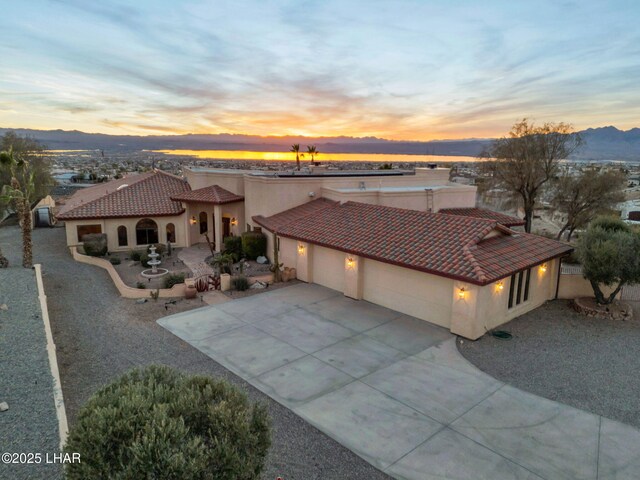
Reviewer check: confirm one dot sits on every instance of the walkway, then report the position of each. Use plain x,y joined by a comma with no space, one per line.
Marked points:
396,391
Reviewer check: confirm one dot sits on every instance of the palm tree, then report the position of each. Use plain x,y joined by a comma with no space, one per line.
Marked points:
20,194
313,151
296,149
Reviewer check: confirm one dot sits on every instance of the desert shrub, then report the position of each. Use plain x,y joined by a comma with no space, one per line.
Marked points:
95,244
233,246
240,283
140,285
254,245
160,248
610,255
144,258
135,256
115,260
223,262
4,263
173,279
157,423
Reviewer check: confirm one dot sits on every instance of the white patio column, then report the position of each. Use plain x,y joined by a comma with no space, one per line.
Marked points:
217,214
353,276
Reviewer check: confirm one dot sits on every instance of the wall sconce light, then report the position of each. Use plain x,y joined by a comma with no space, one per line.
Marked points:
543,267
351,263
461,293
499,286
234,221
300,249
193,220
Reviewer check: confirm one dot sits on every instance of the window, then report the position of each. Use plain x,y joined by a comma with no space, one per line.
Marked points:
87,229
519,288
204,226
122,236
171,233
146,232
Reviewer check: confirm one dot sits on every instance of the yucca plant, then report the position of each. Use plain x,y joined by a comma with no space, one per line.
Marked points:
20,194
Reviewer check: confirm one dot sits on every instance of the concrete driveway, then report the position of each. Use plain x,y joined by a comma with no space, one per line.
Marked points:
395,390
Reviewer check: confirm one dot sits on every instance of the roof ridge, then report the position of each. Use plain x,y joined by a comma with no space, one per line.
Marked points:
332,204
468,254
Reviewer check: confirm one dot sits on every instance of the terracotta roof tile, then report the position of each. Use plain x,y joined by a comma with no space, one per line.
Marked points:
214,194
445,245
147,195
506,220
293,214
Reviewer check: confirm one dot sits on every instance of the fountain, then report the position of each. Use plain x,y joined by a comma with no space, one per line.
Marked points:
154,271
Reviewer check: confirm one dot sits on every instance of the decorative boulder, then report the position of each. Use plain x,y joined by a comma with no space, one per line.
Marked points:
262,260
95,244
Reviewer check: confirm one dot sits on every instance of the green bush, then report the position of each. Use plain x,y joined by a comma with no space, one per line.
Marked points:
95,244
233,246
157,423
140,285
609,253
115,260
254,244
240,283
173,279
135,256
144,258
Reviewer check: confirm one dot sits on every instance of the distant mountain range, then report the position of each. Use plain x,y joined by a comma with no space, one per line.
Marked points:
606,143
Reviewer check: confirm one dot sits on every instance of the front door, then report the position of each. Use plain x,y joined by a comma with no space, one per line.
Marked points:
226,227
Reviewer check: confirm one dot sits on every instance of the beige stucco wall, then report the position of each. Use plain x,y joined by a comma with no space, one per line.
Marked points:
574,286
328,268
429,297
450,196
484,308
414,293
110,227
229,180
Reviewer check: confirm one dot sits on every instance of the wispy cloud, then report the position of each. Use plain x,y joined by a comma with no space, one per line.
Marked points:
407,70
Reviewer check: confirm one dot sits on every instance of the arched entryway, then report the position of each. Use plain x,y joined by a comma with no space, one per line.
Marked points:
171,233
123,241
146,232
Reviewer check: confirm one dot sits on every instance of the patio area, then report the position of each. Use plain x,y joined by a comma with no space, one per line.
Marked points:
395,390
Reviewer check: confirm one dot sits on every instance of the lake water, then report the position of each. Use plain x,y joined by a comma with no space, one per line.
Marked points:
322,157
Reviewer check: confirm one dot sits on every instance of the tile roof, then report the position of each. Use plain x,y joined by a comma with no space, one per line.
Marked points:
506,220
293,214
214,194
146,195
446,245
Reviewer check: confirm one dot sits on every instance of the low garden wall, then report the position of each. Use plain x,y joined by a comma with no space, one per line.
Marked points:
575,285
125,290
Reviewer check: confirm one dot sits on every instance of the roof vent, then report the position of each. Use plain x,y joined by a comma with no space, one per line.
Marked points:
125,185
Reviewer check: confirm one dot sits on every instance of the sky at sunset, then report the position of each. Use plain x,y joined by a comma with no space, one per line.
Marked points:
415,70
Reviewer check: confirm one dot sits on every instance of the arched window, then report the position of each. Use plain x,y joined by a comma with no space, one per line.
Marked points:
123,241
146,232
204,227
171,233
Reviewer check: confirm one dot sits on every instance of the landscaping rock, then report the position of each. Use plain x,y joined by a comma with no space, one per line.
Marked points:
4,406
4,307
615,311
258,285
262,260
141,301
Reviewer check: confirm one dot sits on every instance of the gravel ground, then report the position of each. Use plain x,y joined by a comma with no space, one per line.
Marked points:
586,362
30,425
100,335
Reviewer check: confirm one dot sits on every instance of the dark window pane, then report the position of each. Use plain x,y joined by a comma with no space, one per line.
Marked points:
511,287
526,285
518,297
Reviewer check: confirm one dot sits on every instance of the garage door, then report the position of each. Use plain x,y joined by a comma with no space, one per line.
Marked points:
328,268
414,293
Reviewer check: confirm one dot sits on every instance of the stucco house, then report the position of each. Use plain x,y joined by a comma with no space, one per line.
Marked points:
408,240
